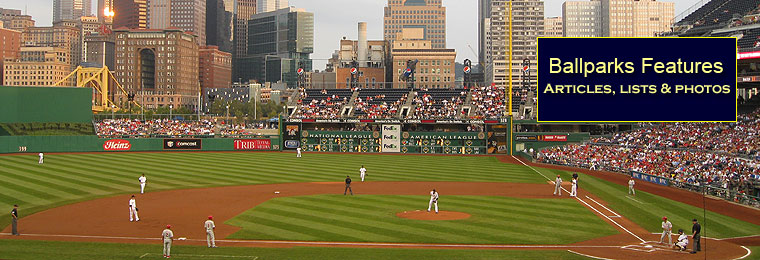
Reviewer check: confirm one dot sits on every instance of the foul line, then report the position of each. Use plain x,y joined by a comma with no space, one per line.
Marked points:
192,255
589,256
629,197
600,204
579,199
336,243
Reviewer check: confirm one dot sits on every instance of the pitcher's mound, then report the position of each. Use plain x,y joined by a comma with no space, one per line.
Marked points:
424,215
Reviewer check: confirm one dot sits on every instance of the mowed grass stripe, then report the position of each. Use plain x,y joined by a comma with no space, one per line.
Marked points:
309,226
176,169
32,184
94,176
260,230
129,166
45,182
25,193
71,179
376,214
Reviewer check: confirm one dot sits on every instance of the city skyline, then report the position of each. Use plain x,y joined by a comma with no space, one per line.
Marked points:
461,21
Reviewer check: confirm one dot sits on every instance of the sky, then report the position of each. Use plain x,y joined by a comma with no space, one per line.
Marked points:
334,19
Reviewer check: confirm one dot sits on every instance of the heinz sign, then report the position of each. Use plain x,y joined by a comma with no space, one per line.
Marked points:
117,145
252,144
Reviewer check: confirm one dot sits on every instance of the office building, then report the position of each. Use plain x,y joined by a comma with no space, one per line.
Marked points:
425,17
159,66
263,6
582,19
63,34
434,69
553,27
71,9
215,67
105,11
100,49
10,44
37,66
130,14
279,43
14,20
617,18
219,25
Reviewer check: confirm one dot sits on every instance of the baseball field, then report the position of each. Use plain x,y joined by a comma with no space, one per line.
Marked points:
277,206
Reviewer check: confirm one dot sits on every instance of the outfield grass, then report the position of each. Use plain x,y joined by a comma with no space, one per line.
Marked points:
647,210
30,249
494,220
67,178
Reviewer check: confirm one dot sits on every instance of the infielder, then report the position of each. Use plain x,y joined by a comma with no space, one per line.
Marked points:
574,188
298,150
362,172
666,230
167,235
142,180
133,210
209,225
41,157
558,186
433,200
631,191
683,240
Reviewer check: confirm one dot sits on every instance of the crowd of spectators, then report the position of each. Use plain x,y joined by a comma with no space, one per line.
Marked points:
427,106
157,127
166,127
489,102
326,107
377,110
722,155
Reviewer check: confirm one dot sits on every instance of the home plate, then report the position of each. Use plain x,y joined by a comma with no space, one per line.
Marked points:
276,192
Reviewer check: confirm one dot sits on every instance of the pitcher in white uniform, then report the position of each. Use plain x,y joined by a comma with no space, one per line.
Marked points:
142,180
133,209
209,225
433,201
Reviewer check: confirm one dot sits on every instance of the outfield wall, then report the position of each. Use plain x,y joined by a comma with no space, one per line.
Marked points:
538,141
49,144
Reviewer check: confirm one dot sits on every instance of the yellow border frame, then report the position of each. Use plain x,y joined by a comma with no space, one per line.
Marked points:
736,80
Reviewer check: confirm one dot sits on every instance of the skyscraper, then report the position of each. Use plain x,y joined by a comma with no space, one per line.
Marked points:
241,11
132,14
189,15
71,9
582,18
527,25
423,17
553,27
279,43
104,5
219,25
159,14
263,6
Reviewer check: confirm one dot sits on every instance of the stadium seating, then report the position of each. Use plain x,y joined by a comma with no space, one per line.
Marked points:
377,103
438,103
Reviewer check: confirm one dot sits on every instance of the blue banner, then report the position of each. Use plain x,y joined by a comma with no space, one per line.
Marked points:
650,178
636,79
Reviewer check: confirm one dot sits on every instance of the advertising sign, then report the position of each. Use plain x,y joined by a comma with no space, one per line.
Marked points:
117,145
391,140
182,144
252,144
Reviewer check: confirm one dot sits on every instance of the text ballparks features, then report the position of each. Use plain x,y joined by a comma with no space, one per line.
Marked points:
636,79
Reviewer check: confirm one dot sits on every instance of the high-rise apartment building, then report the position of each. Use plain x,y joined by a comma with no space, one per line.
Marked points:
582,18
37,66
14,20
215,68
553,27
423,16
63,34
10,44
527,25
263,6
159,66
130,14
279,43
71,9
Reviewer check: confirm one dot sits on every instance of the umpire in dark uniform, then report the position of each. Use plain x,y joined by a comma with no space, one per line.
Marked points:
348,186
695,230
14,220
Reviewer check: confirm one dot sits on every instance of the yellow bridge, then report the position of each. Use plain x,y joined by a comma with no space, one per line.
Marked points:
102,82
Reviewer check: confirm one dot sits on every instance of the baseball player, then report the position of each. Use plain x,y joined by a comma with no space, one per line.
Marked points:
574,187
209,225
433,200
558,186
362,172
167,235
133,210
348,186
298,150
683,241
41,157
631,191
142,180
666,230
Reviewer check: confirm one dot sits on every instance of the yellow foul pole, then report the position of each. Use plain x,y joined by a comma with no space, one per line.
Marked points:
509,61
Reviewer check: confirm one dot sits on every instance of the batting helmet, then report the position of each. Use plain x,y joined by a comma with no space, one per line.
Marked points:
664,218
168,226
210,217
